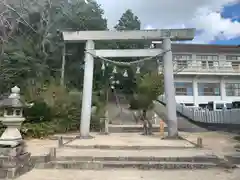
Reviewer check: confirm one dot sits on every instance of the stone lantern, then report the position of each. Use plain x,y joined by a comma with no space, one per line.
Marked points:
13,156
12,118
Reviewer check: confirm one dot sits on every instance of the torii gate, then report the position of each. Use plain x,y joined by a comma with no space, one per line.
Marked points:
164,35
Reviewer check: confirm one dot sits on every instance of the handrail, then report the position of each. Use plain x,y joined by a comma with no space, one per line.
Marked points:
206,116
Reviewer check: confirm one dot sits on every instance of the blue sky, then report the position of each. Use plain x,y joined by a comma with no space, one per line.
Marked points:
216,21
232,12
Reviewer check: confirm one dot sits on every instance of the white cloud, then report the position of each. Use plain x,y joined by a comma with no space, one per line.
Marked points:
201,14
214,26
148,27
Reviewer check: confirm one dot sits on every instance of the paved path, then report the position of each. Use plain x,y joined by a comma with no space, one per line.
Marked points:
222,143
125,116
213,174
120,114
40,146
129,139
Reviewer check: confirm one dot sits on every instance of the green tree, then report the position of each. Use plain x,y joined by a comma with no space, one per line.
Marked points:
31,47
149,87
128,21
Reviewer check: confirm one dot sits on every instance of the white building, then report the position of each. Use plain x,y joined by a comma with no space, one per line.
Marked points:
206,73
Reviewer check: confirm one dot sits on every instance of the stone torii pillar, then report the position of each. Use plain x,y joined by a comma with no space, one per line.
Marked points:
87,91
169,89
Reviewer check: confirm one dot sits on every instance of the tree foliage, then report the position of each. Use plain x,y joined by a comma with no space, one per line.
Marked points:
31,48
149,87
31,43
129,21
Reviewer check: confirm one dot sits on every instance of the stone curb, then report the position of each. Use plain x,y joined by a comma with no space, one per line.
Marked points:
126,147
50,161
143,159
125,164
41,158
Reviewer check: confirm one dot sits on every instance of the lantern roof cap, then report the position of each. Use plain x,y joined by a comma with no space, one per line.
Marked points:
13,99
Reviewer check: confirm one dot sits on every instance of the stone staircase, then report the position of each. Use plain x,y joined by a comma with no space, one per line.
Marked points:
128,151
142,159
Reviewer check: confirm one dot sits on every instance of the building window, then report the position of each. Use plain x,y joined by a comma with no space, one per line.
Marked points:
213,57
202,57
204,64
208,89
230,57
182,57
182,64
183,89
208,60
232,89
182,60
208,57
210,64
236,65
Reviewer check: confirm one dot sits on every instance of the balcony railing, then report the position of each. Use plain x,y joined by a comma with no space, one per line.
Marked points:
199,67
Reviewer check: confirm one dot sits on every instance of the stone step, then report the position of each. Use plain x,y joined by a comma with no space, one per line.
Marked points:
140,158
131,144
100,165
119,147
124,141
132,128
184,155
233,158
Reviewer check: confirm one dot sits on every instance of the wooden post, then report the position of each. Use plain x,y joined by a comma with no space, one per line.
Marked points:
53,153
60,141
161,128
199,142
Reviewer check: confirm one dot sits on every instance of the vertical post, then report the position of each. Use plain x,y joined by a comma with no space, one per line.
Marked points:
87,91
169,89
63,65
195,91
106,123
222,89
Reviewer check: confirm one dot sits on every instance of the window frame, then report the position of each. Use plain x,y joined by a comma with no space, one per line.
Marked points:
209,89
182,88
232,89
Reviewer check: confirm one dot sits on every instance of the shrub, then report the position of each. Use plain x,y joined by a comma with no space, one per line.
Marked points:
58,111
95,124
134,104
39,112
149,87
140,101
37,130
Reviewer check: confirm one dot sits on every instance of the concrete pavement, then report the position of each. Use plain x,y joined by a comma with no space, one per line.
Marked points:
131,175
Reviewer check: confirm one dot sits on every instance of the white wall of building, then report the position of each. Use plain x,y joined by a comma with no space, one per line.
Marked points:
196,99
